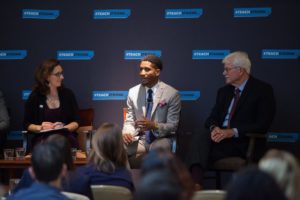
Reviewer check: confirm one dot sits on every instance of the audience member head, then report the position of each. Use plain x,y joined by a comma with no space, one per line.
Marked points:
238,59
47,163
161,160
44,72
64,147
155,60
158,185
253,184
284,167
108,152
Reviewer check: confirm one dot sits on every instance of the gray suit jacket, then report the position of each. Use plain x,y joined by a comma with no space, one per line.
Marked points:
165,111
4,118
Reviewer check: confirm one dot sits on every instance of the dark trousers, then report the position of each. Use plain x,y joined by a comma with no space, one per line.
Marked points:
72,138
204,152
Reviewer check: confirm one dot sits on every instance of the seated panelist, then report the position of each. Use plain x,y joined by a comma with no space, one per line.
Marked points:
244,105
153,111
50,105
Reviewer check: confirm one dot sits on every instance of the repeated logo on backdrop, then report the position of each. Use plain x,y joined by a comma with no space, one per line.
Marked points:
75,54
183,13
252,12
39,14
111,14
280,53
12,54
210,54
282,137
139,54
109,95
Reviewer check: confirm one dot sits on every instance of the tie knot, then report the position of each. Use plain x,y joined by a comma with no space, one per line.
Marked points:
237,91
149,98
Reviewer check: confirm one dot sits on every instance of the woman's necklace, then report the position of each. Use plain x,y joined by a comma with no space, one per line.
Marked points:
53,101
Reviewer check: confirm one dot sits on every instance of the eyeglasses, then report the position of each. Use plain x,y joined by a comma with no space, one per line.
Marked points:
58,74
228,69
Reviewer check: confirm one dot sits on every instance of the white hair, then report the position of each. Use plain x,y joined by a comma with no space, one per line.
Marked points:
284,167
240,59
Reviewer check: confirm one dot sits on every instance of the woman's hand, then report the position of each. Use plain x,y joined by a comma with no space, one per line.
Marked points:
57,125
47,125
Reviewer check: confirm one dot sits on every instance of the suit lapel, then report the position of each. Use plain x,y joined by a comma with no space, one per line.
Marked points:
158,95
244,94
142,103
227,101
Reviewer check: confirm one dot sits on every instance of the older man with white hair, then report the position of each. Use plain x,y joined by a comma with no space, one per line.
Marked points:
244,105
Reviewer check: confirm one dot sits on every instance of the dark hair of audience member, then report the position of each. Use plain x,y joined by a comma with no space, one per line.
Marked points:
253,184
160,159
42,73
108,152
47,162
158,185
64,147
155,60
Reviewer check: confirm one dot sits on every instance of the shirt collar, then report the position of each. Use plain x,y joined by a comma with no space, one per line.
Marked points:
154,88
242,86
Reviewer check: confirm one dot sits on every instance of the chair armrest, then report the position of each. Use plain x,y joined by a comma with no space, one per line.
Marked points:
252,140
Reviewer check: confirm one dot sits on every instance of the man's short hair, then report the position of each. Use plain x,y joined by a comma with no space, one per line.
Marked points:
158,185
240,59
47,162
155,60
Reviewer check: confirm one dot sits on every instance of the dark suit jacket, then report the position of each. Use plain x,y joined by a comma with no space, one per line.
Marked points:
34,108
35,114
254,114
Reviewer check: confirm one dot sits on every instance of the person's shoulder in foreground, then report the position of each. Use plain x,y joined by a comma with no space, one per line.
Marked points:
38,191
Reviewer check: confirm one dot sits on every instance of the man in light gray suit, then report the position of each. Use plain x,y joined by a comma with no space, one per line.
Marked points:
141,129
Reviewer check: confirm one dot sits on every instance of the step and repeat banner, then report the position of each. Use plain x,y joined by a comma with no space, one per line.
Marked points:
100,43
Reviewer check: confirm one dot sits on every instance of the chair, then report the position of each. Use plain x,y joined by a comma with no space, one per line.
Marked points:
209,195
85,128
231,164
107,192
75,196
